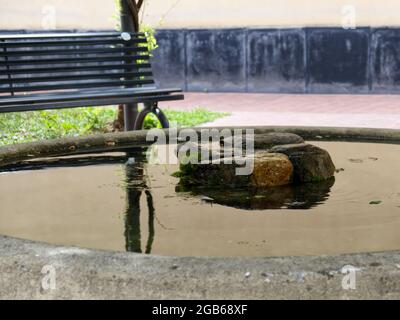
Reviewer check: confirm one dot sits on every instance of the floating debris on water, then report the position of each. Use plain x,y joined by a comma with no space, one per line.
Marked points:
356,160
207,200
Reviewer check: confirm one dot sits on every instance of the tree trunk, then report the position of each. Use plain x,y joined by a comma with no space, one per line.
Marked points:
131,24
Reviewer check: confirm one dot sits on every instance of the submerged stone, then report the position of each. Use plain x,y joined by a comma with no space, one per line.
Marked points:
311,163
211,174
270,170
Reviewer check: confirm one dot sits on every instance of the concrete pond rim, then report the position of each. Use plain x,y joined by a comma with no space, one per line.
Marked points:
94,274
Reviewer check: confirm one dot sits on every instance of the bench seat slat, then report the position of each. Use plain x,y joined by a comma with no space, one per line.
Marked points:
85,95
90,102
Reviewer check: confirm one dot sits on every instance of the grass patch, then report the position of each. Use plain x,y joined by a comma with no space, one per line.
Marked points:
52,124
190,118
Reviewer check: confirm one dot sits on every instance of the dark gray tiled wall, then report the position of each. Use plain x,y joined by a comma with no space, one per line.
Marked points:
337,60
169,59
315,60
275,60
216,60
385,60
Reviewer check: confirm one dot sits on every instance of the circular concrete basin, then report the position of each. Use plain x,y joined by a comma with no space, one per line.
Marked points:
87,273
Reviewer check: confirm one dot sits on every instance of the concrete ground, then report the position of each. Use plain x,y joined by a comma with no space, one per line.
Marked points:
252,109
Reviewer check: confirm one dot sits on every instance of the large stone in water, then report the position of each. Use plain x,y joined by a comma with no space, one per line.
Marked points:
311,163
276,163
270,170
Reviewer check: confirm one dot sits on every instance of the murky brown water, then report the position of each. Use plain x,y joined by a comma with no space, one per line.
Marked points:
88,207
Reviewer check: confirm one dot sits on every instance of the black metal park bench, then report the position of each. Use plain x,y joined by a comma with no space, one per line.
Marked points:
54,71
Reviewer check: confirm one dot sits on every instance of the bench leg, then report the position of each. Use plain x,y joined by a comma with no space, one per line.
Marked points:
130,116
153,108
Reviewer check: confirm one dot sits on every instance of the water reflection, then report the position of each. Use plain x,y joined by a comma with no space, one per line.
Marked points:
135,187
305,196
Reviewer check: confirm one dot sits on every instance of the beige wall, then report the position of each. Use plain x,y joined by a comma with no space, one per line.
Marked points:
261,13
86,14
199,13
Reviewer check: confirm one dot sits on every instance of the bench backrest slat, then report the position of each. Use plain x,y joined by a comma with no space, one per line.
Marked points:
47,62
58,43
90,76
48,70
68,52
58,35
80,60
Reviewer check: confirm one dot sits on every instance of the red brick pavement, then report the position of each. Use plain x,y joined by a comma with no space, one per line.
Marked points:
375,111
